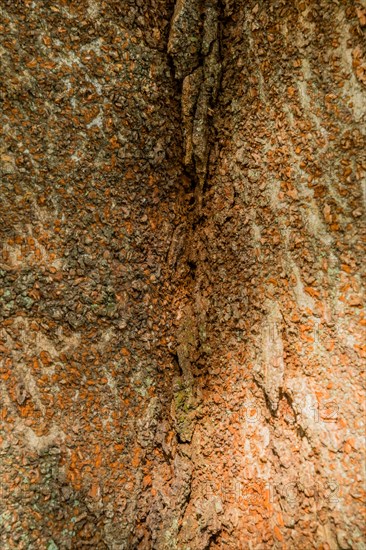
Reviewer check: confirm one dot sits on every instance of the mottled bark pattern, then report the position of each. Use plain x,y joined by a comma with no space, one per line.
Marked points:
182,331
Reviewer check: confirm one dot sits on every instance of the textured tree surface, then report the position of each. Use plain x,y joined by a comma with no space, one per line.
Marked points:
182,332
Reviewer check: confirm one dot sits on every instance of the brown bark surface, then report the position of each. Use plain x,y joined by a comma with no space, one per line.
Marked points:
181,304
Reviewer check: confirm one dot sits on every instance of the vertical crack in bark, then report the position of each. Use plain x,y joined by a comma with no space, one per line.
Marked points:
194,48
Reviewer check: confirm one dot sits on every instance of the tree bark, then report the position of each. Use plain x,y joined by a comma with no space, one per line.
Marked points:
182,330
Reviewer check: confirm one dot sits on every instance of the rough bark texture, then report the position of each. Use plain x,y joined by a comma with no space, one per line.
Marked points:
181,302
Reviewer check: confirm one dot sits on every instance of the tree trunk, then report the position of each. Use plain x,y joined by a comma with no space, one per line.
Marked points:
182,332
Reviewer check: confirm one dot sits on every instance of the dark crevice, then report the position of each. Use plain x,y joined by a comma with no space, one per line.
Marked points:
300,430
214,538
266,398
192,267
176,364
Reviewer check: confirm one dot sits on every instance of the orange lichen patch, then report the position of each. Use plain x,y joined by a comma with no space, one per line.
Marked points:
277,533
312,291
147,481
45,358
279,520
6,375
94,491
